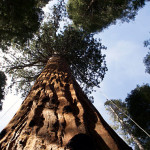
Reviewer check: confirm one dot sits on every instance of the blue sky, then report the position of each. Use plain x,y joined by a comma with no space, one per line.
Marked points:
124,57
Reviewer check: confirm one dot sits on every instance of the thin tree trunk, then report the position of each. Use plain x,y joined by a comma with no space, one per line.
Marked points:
56,115
128,130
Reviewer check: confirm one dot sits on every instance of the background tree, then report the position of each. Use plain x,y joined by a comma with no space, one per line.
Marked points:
147,57
117,110
2,87
19,20
138,105
95,15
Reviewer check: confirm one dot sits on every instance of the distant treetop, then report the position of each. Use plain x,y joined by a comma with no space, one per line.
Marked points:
96,15
147,57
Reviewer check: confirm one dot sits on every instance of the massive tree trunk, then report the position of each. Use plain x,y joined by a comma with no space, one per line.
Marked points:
57,115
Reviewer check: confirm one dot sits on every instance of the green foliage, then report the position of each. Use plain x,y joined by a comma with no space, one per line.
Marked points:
95,15
19,19
147,57
2,87
138,105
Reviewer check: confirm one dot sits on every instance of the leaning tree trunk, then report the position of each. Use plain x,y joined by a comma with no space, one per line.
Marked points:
124,126
56,115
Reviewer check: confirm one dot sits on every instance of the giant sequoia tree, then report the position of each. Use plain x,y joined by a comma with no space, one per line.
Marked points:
56,113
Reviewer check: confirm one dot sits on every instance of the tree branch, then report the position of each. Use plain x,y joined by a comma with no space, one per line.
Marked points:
25,65
91,3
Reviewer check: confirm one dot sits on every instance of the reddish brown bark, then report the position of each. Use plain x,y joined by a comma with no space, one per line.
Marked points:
56,115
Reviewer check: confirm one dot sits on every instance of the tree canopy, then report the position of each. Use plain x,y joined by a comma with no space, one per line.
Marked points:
80,49
95,15
2,87
19,20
